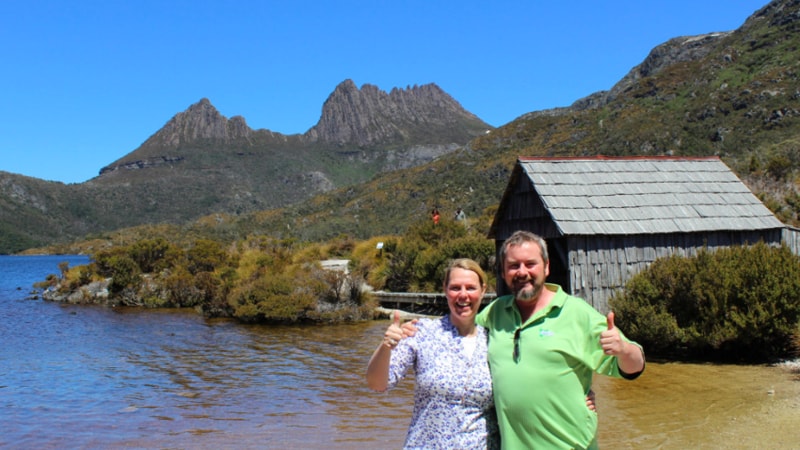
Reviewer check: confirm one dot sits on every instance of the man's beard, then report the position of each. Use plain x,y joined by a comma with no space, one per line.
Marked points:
525,293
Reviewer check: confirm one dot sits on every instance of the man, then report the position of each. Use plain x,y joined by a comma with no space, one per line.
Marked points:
460,216
544,347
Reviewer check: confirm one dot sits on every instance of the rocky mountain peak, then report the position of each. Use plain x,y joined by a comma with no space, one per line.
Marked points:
778,13
200,121
420,122
369,115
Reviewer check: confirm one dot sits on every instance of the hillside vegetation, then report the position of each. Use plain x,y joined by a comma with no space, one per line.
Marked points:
263,279
201,162
733,94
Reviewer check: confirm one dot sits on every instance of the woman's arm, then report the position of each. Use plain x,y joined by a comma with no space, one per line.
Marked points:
378,367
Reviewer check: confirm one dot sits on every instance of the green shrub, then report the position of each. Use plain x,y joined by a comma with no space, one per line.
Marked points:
645,318
74,278
371,261
50,281
103,260
735,304
418,261
271,298
265,279
399,269
778,166
125,274
331,285
216,289
340,296
428,270
433,234
181,290
205,256
154,255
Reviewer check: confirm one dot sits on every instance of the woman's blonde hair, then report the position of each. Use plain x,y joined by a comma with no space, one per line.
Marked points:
466,264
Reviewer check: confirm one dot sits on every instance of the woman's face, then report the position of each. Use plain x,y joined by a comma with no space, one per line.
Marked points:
464,293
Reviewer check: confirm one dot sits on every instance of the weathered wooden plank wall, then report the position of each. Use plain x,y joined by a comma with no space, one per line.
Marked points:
791,237
601,265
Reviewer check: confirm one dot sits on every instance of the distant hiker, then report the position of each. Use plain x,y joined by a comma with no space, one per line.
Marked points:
435,216
460,215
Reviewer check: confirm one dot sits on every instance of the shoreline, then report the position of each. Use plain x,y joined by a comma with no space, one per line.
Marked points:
792,365
386,313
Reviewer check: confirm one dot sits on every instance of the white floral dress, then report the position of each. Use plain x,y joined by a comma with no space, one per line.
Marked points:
453,405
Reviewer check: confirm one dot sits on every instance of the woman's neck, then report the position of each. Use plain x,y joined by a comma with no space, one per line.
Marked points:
464,329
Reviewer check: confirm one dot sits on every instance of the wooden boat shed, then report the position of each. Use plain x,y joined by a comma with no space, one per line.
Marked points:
607,218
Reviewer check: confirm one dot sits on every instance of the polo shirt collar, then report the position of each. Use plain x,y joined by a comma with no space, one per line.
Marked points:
558,301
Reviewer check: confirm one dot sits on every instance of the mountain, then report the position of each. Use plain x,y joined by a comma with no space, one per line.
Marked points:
735,94
732,94
201,162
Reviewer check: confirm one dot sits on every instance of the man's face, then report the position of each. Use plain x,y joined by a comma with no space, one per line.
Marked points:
524,271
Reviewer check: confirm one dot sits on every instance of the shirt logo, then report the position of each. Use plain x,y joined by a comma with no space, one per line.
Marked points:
545,333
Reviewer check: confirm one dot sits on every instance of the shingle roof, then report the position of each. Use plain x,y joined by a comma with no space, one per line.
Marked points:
639,195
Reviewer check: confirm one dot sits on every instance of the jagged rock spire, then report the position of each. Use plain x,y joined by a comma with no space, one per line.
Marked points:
200,121
369,115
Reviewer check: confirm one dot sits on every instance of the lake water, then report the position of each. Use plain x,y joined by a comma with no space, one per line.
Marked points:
98,377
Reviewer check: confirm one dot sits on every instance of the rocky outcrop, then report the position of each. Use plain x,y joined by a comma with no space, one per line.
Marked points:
370,116
95,292
146,163
200,121
677,50
352,118
416,155
315,181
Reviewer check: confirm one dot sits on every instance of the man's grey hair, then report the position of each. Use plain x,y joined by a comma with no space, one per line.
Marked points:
518,238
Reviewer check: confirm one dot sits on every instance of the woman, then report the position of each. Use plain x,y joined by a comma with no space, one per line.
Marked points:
453,406
435,216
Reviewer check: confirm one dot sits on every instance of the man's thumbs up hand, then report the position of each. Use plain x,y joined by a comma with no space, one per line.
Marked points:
610,339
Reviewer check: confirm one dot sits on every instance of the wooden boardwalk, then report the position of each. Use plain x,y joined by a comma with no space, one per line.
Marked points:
419,302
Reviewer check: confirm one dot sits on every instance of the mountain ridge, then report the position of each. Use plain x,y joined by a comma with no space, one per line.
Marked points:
730,94
201,162
736,98
351,117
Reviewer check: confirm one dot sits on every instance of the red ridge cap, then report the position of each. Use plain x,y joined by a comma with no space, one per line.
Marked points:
617,158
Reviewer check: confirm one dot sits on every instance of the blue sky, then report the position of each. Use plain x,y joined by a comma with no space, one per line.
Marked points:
86,82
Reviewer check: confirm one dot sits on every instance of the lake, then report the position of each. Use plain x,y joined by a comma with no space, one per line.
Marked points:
74,376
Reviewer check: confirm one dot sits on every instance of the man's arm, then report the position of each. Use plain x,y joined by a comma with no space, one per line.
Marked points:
630,357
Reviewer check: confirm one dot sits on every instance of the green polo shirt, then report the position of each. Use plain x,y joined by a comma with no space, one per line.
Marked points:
541,396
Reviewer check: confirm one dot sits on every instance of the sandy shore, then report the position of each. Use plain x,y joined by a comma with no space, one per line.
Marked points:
701,406
772,423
